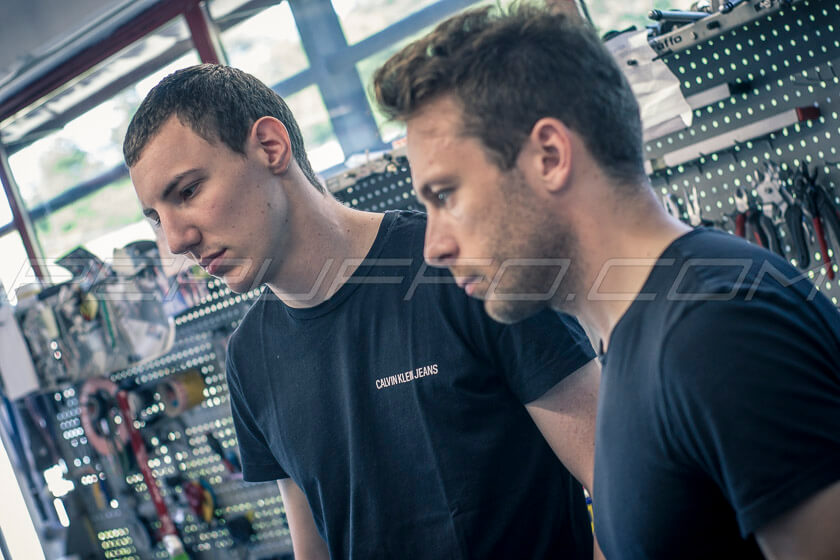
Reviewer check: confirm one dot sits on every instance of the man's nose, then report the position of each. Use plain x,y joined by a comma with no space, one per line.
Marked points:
180,235
440,248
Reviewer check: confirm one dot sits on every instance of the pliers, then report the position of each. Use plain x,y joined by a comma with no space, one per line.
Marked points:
672,205
822,211
692,208
778,204
753,225
780,207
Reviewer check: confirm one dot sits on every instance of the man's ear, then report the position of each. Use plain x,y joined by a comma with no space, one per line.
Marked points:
546,158
272,140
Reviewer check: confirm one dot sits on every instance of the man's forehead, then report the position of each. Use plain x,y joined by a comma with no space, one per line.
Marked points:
173,129
438,118
173,143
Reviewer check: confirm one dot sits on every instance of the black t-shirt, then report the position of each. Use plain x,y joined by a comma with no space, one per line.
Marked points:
397,406
720,403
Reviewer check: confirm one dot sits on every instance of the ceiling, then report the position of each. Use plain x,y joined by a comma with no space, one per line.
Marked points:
36,36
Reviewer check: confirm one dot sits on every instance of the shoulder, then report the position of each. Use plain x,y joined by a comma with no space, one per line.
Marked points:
738,344
406,226
728,314
706,262
241,340
710,278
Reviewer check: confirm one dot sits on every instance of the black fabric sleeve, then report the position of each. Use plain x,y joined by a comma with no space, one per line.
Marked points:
258,463
537,353
753,400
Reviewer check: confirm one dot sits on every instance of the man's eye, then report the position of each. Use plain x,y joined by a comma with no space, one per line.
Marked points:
441,196
189,191
153,218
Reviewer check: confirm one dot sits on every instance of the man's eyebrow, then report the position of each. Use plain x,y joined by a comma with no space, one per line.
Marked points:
170,186
176,180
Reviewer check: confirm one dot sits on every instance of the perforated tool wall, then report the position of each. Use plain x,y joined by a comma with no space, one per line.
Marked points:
788,58
389,190
178,447
179,452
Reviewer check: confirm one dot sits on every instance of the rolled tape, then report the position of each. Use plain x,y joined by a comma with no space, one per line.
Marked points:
182,392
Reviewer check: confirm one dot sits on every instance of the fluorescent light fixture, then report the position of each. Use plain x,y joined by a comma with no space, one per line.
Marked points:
697,101
729,139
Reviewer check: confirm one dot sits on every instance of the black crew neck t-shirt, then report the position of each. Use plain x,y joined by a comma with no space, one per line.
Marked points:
719,403
398,407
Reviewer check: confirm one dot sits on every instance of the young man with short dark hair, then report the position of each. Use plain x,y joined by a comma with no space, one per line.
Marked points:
399,419
719,412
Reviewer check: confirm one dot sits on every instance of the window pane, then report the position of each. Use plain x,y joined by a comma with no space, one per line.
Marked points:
362,18
14,266
321,143
78,95
88,148
100,221
388,130
5,209
267,44
83,149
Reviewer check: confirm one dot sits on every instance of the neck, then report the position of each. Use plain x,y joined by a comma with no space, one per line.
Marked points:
326,242
622,243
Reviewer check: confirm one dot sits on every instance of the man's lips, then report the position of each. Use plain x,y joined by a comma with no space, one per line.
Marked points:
468,283
211,263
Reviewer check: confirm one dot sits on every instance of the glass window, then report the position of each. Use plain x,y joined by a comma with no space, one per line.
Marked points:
362,18
321,143
388,130
15,270
266,44
5,209
87,149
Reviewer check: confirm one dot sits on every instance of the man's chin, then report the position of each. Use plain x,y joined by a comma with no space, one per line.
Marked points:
236,285
237,289
509,312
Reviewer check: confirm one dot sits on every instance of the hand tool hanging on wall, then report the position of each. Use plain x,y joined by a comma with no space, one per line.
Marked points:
821,209
169,534
672,205
229,458
692,208
201,499
753,225
97,407
778,204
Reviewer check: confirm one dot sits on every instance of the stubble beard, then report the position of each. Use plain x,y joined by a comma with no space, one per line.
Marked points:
552,282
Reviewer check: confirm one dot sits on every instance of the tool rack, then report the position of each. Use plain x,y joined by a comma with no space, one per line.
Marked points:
787,55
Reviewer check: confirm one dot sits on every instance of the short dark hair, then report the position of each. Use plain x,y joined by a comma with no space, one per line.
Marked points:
217,103
508,68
